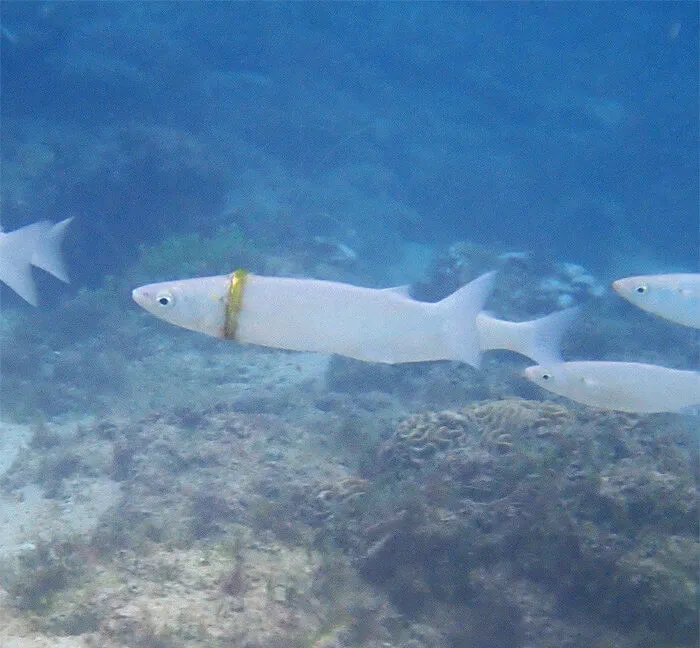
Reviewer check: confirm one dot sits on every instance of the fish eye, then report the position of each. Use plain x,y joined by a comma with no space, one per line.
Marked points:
641,289
165,299
546,376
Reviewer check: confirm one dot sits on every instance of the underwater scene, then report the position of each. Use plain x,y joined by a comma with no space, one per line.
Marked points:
349,324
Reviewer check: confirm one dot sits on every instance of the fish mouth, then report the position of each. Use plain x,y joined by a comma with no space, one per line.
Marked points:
139,296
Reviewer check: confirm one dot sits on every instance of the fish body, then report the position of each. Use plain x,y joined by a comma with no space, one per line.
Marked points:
675,297
623,386
39,245
369,324
362,323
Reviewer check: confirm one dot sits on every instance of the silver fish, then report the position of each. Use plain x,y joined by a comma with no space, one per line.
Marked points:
675,297
374,325
622,386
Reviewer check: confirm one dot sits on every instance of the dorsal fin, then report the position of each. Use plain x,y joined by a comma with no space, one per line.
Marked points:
16,250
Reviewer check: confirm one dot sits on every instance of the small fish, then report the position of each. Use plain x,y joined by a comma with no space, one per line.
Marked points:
38,244
374,325
675,297
623,386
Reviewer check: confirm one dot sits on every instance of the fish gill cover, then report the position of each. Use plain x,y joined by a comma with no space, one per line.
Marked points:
289,499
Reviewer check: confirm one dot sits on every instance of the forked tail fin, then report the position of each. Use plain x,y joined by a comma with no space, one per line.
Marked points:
47,254
462,307
538,339
16,251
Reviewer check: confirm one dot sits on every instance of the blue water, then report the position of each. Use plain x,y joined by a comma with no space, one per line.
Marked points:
373,143
568,128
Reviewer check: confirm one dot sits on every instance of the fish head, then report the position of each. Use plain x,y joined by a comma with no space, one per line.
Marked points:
656,294
675,297
581,381
193,304
552,377
637,290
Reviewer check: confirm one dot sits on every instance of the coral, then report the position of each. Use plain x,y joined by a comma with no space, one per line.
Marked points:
647,496
423,434
494,424
519,417
339,497
600,508
504,519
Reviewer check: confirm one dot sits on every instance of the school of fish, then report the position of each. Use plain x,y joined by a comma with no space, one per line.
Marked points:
633,386
387,325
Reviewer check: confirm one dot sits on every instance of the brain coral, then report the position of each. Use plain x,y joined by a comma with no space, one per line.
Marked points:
491,424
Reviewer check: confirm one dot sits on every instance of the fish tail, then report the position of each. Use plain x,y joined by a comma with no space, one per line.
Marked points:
16,251
540,339
462,307
47,254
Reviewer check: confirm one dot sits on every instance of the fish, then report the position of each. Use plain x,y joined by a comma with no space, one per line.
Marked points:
537,339
368,324
39,245
622,386
675,297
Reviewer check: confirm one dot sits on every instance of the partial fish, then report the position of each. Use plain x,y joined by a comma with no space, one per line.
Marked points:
538,339
623,386
675,297
38,244
367,324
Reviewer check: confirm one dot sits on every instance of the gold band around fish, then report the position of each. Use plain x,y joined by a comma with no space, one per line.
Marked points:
234,302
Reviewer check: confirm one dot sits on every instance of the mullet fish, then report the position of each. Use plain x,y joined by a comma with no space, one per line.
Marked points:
374,325
623,386
675,297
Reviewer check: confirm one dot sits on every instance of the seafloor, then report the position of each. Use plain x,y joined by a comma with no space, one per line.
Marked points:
178,491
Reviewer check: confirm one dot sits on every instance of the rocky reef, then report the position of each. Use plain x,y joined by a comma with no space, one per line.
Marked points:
529,284
505,522
600,509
